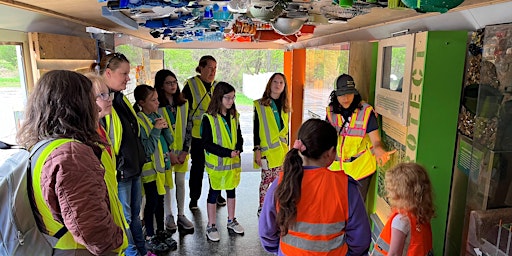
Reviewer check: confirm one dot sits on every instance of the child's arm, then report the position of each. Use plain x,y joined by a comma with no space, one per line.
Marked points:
397,242
239,140
150,143
357,229
207,139
268,230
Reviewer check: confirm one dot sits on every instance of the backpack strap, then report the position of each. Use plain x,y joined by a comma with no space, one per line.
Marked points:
35,152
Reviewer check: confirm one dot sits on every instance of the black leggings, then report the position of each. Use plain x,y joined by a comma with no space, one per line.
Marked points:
154,208
213,194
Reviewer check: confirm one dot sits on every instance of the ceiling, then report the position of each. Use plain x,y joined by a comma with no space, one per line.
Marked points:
70,17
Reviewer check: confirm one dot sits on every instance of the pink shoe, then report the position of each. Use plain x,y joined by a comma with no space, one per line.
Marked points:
151,254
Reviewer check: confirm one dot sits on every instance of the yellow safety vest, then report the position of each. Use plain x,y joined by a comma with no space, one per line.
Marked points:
198,91
224,172
154,170
354,148
273,142
114,127
67,242
178,131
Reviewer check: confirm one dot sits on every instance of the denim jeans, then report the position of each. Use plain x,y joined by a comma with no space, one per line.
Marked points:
130,195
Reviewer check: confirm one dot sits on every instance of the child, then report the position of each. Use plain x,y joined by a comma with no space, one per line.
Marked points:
222,140
308,202
407,231
156,140
174,108
271,131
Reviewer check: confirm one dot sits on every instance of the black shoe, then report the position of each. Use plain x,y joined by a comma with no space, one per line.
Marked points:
165,237
221,201
193,204
155,246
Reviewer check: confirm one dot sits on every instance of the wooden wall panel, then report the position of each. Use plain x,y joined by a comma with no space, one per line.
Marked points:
53,46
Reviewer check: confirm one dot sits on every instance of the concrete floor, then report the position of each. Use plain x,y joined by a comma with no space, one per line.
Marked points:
197,244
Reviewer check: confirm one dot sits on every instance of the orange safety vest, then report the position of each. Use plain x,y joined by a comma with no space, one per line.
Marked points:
320,232
354,149
419,245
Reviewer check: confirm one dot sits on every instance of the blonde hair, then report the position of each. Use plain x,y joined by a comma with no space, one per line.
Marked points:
97,81
409,190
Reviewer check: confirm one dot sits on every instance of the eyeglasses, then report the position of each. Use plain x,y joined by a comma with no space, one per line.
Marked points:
106,96
229,98
118,56
171,82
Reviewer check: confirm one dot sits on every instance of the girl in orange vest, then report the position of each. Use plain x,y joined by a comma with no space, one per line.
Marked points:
407,231
310,210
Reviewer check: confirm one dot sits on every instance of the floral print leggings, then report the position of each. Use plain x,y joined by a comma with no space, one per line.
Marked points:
267,177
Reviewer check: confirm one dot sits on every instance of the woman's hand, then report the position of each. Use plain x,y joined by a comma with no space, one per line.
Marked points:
383,158
182,156
257,157
235,153
174,158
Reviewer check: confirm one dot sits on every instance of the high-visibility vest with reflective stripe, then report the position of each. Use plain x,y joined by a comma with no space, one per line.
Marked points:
178,131
198,90
114,127
420,243
319,232
354,148
224,172
154,170
274,142
116,209
66,242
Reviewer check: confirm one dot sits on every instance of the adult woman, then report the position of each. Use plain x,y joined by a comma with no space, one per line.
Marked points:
197,91
124,132
271,131
358,133
69,187
174,108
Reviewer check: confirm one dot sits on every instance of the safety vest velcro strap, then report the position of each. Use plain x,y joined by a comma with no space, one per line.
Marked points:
314,245
354,157
223,167
383,246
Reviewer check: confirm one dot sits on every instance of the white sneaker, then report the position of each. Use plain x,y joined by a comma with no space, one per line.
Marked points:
212,233
235,226
170,224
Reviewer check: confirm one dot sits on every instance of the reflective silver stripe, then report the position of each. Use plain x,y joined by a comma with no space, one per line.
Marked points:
382,245
316,230
197,98
111,133
334,121
183,111
267,130
147,173
283,140
314,245
159,167
319,229
223,167
353,131
219,138
376,253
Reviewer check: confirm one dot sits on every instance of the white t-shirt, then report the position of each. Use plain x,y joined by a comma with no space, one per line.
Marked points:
402,223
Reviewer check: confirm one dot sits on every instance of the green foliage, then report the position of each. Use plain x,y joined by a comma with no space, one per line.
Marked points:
231,64
242,100
132,53
325,65
10,82
8,58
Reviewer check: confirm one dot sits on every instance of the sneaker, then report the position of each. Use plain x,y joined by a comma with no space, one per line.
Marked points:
234,226
165,236
184,225
170,224
155,246
193,204
221,201
212,233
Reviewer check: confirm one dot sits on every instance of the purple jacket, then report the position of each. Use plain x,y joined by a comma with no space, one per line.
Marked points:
357,230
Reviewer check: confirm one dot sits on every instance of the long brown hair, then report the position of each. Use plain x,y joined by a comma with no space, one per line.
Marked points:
409,190
318,136
62,105
177,97
215,107
283,98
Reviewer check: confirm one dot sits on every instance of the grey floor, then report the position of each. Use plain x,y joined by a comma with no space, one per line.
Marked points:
229,244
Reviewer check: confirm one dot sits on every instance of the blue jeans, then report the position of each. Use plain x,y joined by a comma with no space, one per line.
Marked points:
130,195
